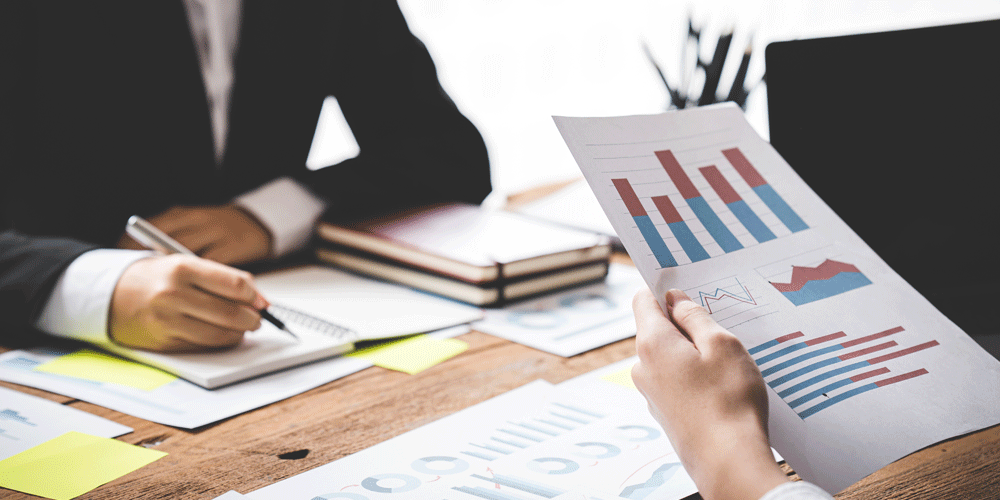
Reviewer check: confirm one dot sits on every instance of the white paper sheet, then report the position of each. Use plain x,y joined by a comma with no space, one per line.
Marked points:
27,421
181,403
574,321
531,443
863,370
574,206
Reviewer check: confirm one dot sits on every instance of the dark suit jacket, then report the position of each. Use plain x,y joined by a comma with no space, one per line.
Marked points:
103,115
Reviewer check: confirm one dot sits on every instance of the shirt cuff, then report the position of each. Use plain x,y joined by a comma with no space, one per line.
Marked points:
797,490
287,209
81,299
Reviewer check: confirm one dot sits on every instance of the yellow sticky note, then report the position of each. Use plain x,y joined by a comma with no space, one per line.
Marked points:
412,355
100,367
72,464
621,377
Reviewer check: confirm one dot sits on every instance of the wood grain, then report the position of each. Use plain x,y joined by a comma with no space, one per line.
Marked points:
348,415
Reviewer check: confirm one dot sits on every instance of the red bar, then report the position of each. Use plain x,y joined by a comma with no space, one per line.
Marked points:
820,340
861,376
904,352
720,184
788,337
867,350
900,378
667,209
676,173
862,340
743,166
629,197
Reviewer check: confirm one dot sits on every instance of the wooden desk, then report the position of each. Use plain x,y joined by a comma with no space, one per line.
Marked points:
368,407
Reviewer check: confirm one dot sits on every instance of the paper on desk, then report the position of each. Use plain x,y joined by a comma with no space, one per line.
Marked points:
181,403
72,464
573,205
99,367
412,355
534,442
861,368
573,321
27,421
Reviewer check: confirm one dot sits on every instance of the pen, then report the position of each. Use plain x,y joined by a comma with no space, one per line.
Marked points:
148,235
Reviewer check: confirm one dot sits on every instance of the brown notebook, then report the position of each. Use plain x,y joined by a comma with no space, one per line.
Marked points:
468,253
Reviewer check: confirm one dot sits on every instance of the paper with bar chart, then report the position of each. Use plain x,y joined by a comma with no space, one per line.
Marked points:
861,368
535,442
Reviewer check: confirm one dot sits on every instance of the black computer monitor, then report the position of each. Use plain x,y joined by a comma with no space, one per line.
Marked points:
899,132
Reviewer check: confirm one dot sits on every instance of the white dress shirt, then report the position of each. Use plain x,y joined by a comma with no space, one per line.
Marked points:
79,304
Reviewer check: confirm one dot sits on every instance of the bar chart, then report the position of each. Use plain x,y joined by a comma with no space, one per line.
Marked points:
719,226
813,374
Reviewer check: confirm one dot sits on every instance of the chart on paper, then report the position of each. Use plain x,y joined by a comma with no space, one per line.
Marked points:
814,275
814,372
717,202
732,301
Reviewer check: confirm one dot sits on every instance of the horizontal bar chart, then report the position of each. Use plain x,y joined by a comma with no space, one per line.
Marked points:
783,362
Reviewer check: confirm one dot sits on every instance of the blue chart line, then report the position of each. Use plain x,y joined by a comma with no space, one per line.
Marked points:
743,295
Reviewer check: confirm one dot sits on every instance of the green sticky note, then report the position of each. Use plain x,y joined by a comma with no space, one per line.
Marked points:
621,377
72,464
100,367
412,355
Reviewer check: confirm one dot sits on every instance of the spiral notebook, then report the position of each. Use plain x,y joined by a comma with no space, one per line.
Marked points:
328,310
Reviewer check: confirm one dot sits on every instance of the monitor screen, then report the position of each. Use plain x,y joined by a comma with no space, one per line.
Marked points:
899,132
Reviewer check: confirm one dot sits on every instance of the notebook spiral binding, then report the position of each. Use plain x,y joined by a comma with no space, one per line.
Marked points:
311,322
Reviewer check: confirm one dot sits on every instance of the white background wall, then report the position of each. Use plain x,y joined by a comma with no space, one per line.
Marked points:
511,64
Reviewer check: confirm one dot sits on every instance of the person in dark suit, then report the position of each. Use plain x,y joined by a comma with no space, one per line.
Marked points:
199,116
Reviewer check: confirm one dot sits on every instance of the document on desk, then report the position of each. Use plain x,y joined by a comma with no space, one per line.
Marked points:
181,403
574,321
535,442
862,369
27,421
329,311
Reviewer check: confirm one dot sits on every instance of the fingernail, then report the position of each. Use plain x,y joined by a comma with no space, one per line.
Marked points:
674,296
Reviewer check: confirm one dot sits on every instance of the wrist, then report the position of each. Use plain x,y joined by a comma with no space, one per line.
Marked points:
735,464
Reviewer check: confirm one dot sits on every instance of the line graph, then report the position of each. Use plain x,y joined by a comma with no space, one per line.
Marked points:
731,301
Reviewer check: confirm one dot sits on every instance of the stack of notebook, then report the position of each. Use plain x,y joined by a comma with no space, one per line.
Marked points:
464,252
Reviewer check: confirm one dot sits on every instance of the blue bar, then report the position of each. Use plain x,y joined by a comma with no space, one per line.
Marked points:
819,378
479,455
485,493
781,352
781,209
714,225
798,359
655,241
766,345
522,484
757,228
819,392
521,435
836,399
802,371
494,449
692,247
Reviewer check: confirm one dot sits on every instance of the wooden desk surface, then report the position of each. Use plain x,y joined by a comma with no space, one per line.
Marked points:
368,407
